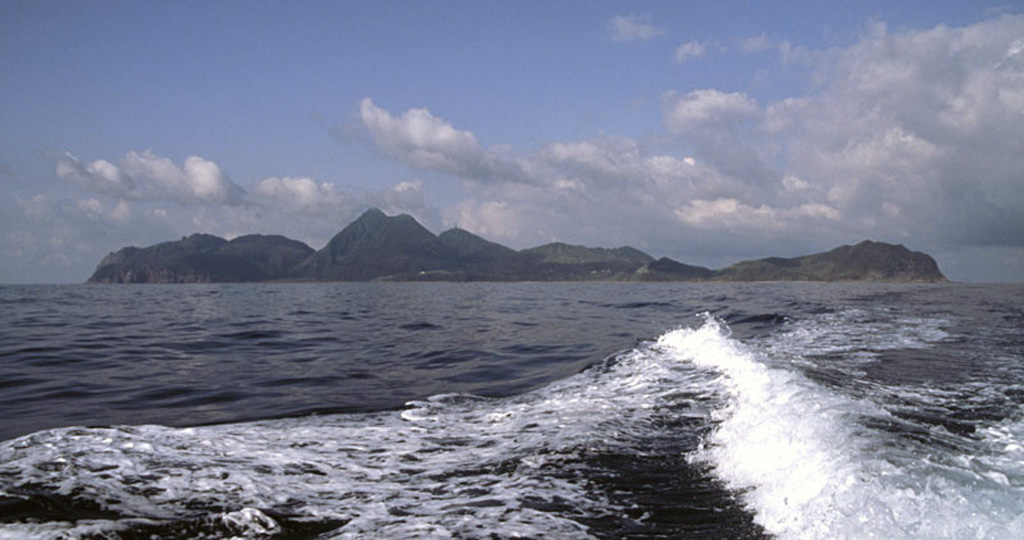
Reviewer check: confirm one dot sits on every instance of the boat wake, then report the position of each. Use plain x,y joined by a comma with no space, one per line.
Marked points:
695,433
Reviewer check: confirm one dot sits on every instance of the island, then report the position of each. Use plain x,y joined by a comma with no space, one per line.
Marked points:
378,247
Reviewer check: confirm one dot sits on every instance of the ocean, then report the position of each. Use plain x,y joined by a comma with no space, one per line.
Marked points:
484,410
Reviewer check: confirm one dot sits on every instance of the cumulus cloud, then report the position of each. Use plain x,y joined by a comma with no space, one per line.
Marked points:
144,175
147,192
197,179
689,50
617,165
99,175
908,136
313,211
297,193
708,109
92,207
119,212
723,128
421,140
501,221
733,215
592,190
632,28
601,191
597,169
915,132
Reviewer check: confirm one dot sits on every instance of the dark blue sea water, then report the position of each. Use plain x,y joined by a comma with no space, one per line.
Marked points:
512,410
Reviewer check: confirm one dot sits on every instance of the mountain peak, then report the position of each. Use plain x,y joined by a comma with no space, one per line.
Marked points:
372,214
377,245
397,248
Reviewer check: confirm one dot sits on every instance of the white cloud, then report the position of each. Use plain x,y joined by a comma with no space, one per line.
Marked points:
912,134
144,175
618,165
708,109
421,140
100,175
406,197
297,193
499,221
312,211
595,190
733,215
198,179
791,182
757,43
632,28
723,129
91,206
120,213
688,50
602,191
916,132
570,178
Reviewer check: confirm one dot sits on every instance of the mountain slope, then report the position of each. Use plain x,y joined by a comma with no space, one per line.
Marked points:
866,261
559,253
665,269
377,246
480,259
203,258
397,248
565,262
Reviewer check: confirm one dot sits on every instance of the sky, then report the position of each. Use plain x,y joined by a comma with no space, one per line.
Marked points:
709,132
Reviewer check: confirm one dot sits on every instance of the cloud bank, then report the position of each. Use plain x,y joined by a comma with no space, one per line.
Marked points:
908,135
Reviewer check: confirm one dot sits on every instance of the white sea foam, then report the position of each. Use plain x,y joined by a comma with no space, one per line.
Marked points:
809,468
801,455
453,465
857,332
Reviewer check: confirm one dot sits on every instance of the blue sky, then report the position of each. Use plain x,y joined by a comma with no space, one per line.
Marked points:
707,132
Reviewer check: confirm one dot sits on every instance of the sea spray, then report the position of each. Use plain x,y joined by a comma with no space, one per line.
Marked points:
843,411
808,465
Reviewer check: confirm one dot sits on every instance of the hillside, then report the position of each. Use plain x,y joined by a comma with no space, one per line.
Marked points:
202,258
397,248
377,246
866,261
